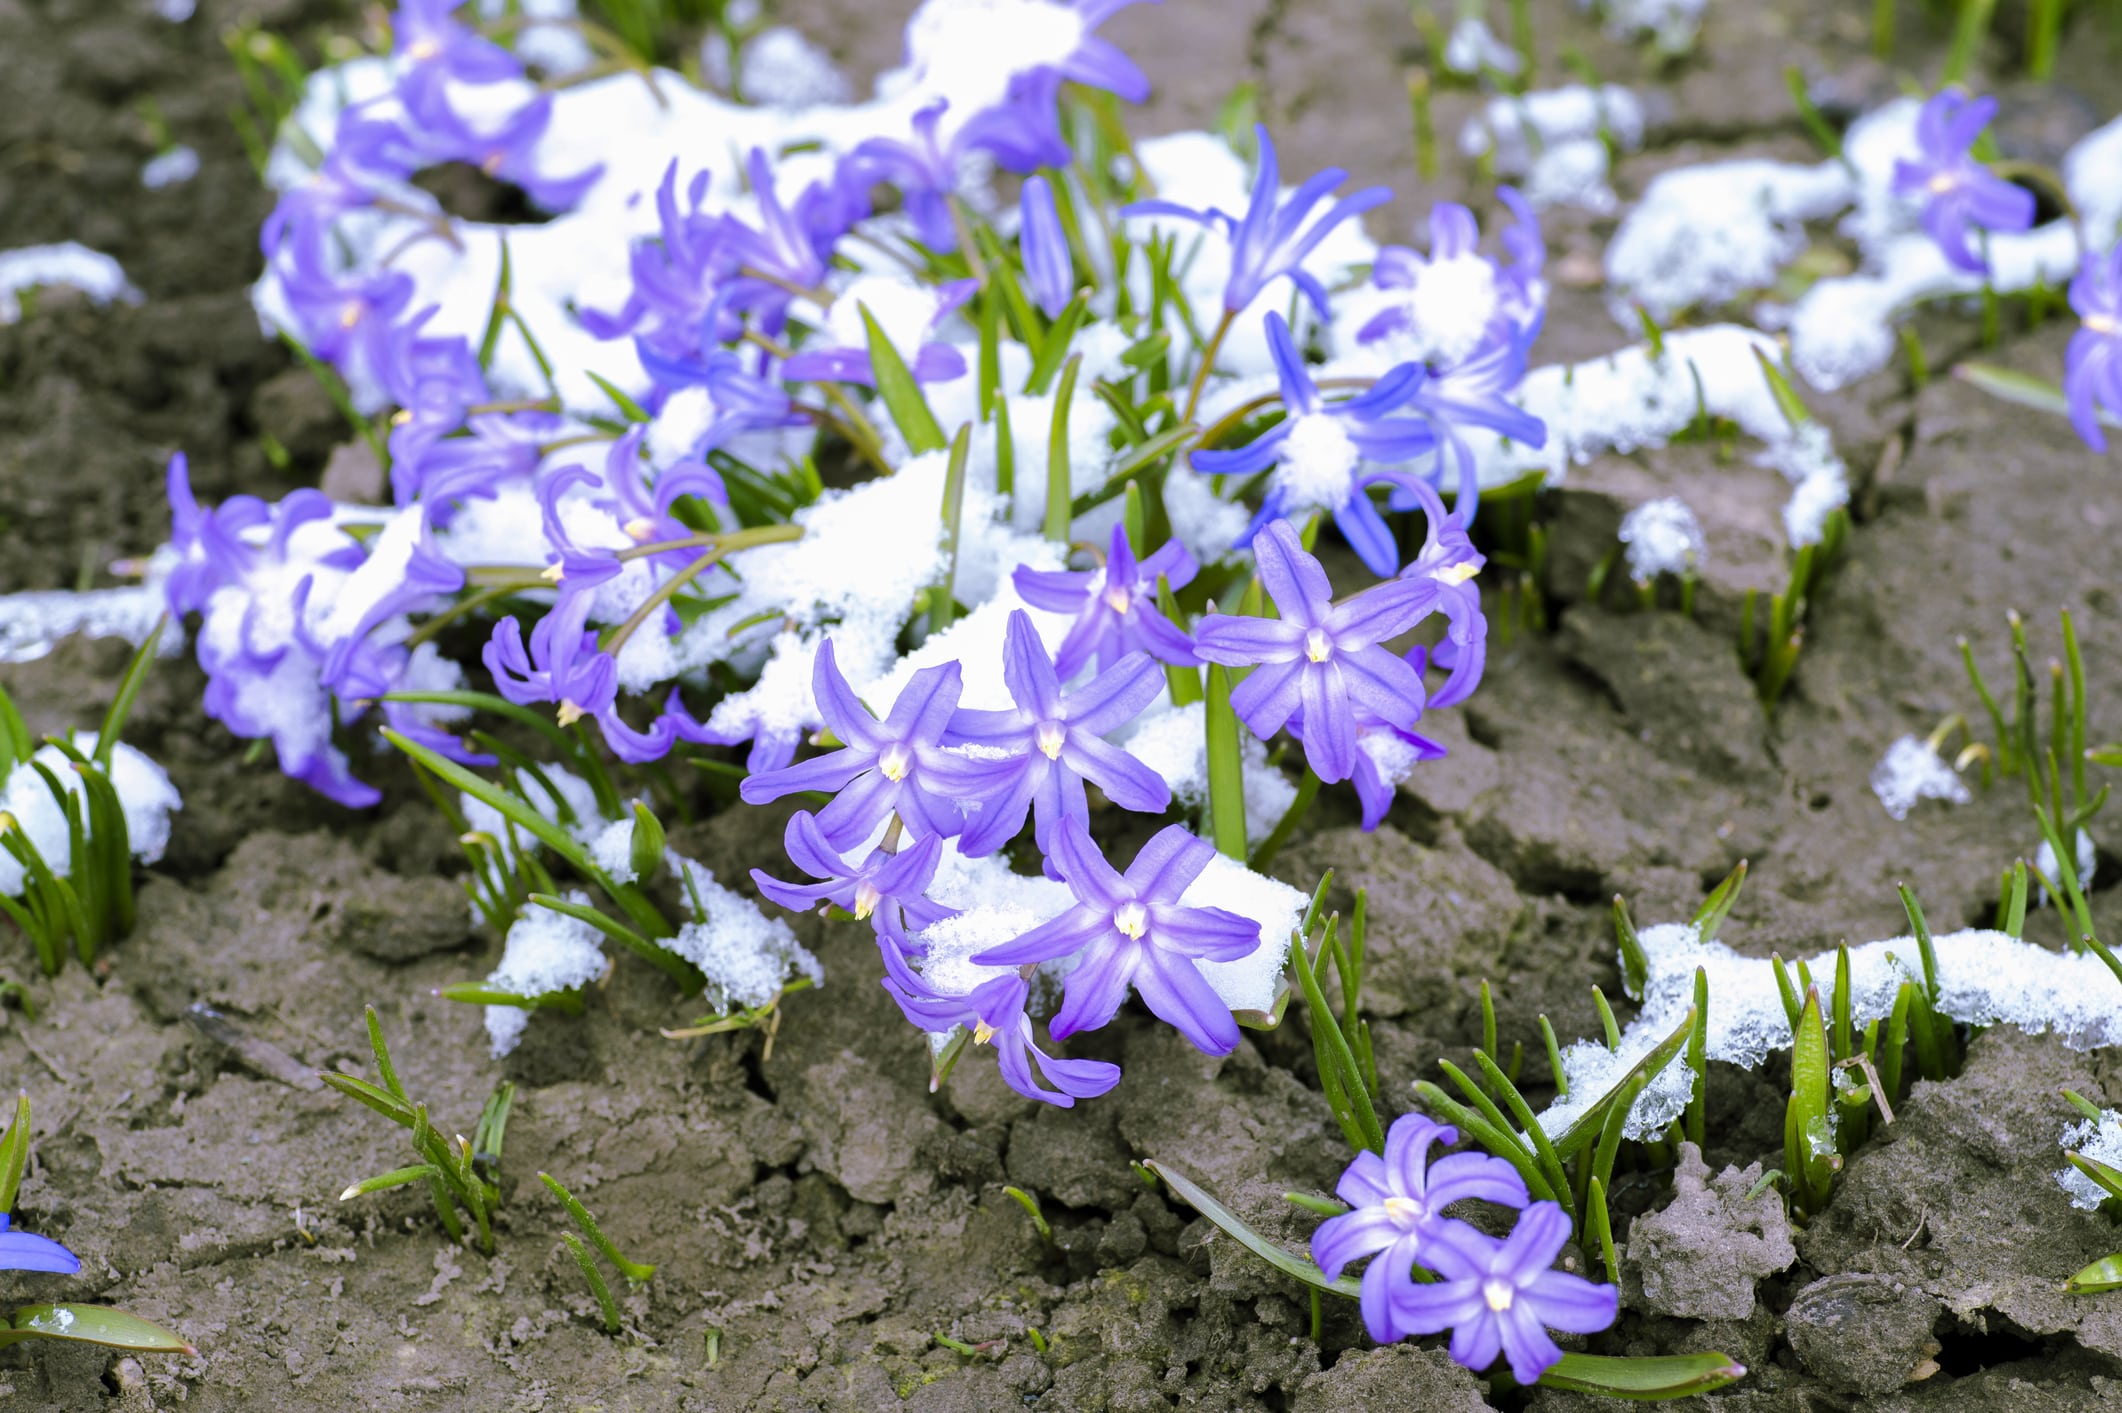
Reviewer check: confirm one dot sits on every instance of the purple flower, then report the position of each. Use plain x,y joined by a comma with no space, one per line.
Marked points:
1047,266
1056,743
678,277
1385,755
899,880
508,153
1445,569
1501,1297
1115,607
786,249
1270,242
1318,656
2092,365
1444,303
1320,445
1956,190
738,400
1022,134
565,666
345,321
1131,930
26,1251
428,34
1476,393
905,312
897,765
1398,1204
209,544
994,1012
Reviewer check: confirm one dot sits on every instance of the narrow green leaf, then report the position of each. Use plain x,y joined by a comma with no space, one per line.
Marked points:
396,1177
1059,463
1601,1229
1226,771
900,393
2023,390
1198,1198
1646,1379
121,706
2106,1177
381,1100
679,969
646,853
1055,346
942,603
634,1271
93,1324
1718,905
2102,1275
631,410
14,1153
1573,1139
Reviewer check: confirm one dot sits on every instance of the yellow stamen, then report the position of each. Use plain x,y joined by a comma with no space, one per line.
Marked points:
982,1032
1942,183
1118,599
1498,1294
569,713
551,572
1403,1209
641,529
1132,919
895,762
350,315
2103,324
1317,646
1458,573
8,821
1052,735
866,899
423,49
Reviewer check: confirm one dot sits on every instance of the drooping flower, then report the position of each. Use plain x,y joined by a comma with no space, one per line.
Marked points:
789,250
895,882
565,666
1273,238
1502,1297
1317,449
1956,190
897,765
1385,755
1131,930
345,320
994,1014
1056,742
1046,259
507,152
2092,365
1115,607
1022,133
1397,1210
1318,656
26,1251
1444,569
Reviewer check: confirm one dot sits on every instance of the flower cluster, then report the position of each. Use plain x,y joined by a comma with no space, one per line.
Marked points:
609,436
1497,1297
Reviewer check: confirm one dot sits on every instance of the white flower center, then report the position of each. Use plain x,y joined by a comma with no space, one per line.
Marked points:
1317,463
1457,573
895,762
1452,301
982,1032
1499,1294
1120,600
1317,646
1051,736
2103,324
569,713
1943,183
1404,1210
1131,919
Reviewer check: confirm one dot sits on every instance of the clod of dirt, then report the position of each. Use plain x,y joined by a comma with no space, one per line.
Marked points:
1958,1197
410,918
1678,684
1867,1334
1401,1378
1700,1256
1433,915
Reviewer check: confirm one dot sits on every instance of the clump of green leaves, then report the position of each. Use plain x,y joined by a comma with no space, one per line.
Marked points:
2106,1273
635,1272
457,1171
90,904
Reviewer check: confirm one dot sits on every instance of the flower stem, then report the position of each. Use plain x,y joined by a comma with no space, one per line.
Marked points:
1208,363
717,546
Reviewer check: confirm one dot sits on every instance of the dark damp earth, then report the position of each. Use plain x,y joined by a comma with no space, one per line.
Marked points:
814,1207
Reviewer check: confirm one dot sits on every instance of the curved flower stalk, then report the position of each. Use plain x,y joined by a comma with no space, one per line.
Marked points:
1319,447
1959,195
895,882
1318,656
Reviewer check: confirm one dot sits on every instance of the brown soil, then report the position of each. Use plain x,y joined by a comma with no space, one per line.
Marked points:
816,1208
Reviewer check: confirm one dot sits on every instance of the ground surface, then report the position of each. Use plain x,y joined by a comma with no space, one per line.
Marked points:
817,1206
